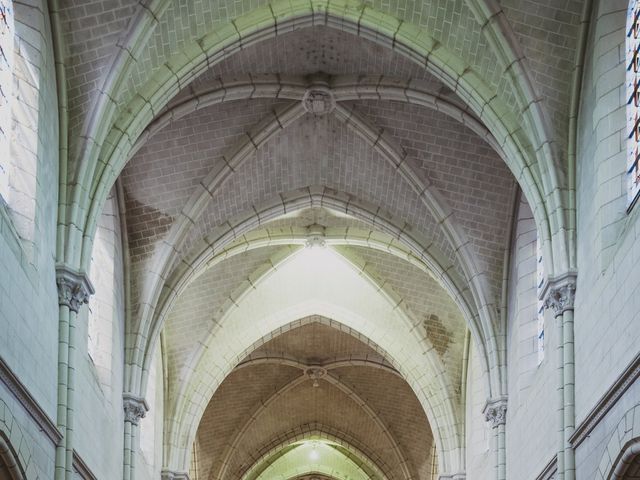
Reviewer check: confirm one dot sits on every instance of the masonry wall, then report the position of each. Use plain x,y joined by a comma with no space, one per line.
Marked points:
28,300
100,353
480,458
149,457
533,401
607,315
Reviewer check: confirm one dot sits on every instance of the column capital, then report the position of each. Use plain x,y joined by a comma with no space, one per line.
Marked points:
495,411
74,287
135,408
171,475
559,293
452,476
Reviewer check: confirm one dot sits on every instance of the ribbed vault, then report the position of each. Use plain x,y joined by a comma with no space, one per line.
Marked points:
228,179
386,432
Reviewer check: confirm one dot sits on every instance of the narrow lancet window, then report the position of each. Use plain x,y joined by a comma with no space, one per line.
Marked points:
633,101
540,283
6,87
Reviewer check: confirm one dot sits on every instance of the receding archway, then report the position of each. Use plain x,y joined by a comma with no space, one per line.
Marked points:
385,432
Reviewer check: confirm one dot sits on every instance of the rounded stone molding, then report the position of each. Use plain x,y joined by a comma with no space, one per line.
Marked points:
622,448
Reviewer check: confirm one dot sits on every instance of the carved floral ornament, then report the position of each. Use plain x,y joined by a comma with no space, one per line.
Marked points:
74,288
135,408
495,412
559,294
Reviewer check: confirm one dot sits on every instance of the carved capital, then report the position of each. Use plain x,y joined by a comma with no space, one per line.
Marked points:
559,293
74,288
135,408
170,475
495,411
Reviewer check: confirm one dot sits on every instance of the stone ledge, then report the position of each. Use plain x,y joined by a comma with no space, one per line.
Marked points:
31,406
630,374
550,469
81,468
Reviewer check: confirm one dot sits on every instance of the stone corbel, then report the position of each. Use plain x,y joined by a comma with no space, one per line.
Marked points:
170,475
559,293
135,408
74,288
495,411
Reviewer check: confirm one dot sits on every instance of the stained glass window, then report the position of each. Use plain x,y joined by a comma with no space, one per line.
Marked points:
540,282
633,101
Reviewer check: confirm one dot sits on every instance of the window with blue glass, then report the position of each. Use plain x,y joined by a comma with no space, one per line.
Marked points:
633,101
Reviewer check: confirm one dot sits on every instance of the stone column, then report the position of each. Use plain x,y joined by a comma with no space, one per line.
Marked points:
74,290
135,408
559,295
495,412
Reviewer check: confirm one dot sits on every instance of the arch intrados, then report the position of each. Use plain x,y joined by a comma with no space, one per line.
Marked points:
9,459
402,40
336,383
379,141
344,87
184,408
630,453
331,365
386,146
431,199
248,352
280,258
434,202
333,201
318,431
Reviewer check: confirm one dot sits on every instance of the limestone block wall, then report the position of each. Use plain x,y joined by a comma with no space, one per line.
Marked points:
531,419
480,458
17,429
607,315
149,458
100,353
28,296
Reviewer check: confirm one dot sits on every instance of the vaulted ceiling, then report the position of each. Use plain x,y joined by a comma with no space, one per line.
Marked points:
317,217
